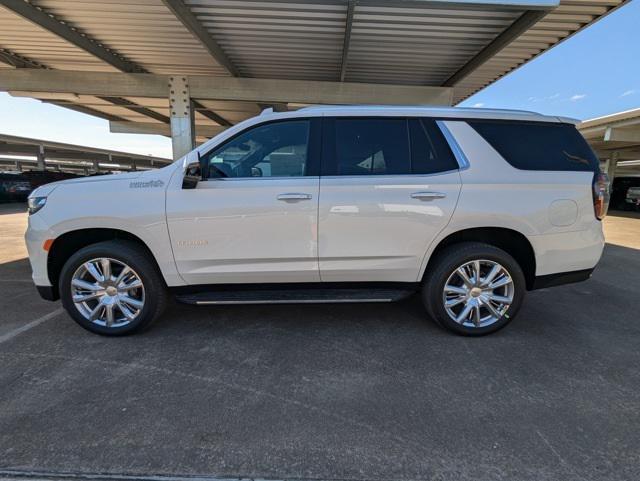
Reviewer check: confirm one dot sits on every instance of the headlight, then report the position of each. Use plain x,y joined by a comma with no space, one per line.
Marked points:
36,203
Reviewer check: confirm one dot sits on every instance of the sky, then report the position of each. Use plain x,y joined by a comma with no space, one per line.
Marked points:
594,73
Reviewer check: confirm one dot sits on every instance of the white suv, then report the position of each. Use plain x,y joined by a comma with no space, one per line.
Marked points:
469,207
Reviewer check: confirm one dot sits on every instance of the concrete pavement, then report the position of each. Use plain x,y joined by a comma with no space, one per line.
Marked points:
340,392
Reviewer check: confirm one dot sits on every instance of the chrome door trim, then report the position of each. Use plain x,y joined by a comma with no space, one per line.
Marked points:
460,156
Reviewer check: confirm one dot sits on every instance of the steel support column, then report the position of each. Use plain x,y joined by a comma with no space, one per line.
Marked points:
41,158
182,116
611,165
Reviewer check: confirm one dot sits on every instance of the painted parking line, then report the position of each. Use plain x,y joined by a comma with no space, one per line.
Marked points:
11,334
16,475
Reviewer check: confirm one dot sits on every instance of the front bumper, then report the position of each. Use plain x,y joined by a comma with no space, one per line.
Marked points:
37,232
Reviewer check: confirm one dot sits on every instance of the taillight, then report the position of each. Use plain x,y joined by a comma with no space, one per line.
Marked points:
600,195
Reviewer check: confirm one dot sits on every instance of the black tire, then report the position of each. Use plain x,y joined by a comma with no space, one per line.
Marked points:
132,255
447,262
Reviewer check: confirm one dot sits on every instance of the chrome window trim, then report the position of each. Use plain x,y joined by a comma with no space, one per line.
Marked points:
387,176
461,158
236,179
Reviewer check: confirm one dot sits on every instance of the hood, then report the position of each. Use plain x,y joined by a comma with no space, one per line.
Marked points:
46,189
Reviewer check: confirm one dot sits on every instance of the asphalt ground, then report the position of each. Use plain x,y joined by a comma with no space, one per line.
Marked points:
326,392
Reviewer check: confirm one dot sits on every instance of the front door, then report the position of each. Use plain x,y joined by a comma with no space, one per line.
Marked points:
255,219
392,186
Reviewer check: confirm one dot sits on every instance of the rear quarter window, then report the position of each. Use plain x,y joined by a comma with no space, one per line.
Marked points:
539,145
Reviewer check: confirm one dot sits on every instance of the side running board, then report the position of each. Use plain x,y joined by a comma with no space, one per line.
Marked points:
296,296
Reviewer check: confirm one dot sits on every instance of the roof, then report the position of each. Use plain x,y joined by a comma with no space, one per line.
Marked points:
442,112
71,157
465,44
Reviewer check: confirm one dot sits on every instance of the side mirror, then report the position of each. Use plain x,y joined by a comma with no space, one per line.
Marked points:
192,175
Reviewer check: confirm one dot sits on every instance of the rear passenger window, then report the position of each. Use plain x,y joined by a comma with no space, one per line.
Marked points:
539,146
430,152
372,146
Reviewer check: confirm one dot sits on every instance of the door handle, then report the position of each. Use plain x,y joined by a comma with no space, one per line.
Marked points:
294,196
428,195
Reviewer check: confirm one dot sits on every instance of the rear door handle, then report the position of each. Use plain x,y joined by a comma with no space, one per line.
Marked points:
428,195
294,196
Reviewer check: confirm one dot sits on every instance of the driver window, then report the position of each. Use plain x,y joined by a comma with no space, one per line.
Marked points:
278,149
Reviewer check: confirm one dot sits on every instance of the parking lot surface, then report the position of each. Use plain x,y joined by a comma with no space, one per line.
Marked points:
331,392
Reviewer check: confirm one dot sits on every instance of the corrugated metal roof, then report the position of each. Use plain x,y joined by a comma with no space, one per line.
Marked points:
405,42
144,32
299,40
27,40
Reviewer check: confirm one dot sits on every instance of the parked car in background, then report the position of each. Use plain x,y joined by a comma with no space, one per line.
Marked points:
14,187
37,178
619,190
633,198
469,207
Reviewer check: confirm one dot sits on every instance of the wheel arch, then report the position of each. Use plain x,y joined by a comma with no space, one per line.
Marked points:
65,245
511,241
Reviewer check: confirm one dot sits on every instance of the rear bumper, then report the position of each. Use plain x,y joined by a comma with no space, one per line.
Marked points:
568,252
48,293
561,278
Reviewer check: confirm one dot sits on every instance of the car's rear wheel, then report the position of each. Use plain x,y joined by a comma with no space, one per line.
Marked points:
473,288
112,288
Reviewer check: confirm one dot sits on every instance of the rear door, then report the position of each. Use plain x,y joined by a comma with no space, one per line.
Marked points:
388,187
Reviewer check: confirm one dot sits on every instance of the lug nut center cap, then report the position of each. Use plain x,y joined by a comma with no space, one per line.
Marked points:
111,291
475,291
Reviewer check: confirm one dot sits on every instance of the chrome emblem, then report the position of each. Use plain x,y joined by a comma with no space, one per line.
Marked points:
143,185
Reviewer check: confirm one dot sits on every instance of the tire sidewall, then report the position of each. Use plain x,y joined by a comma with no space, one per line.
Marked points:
449,262
125,254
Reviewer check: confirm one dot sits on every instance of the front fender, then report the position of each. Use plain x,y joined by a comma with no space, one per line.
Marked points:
135,206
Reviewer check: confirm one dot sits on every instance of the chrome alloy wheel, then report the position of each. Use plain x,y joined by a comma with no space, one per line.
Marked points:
107,292
478,293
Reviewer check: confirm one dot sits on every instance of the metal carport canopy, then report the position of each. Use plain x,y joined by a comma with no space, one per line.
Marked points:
616,140
370,51
23,153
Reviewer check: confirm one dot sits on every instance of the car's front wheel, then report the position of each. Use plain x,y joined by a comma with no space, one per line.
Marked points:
473,288
112,288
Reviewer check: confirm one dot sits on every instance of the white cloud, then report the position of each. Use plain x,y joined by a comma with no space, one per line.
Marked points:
577,97
478,105
629,92
546,98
